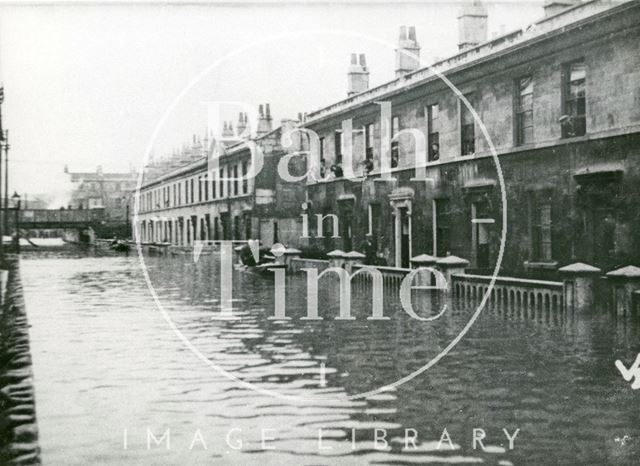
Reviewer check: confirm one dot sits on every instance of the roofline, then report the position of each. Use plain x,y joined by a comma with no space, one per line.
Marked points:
369,95
230,151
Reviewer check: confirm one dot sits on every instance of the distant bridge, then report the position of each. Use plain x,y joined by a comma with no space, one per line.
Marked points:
75,226
32,219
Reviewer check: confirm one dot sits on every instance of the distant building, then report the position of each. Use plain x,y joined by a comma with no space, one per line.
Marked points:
107,191
189,203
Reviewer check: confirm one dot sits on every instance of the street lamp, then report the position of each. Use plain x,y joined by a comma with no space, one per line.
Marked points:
16,206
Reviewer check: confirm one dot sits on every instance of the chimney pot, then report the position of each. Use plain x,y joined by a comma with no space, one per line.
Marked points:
260,110
408,52
472,25
357,75
264,122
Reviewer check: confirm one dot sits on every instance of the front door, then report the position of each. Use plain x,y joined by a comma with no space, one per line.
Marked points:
404,238
480,235
226,230
194,229
180,232
603,226
346,232
207,224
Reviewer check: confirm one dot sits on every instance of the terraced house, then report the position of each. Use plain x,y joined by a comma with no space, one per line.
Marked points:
190,202
560,103
539,126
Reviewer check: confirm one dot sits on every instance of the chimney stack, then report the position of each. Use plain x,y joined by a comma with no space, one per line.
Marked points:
246,124
242,124
227,131
472,25
408,51
264,120
552,7
358,75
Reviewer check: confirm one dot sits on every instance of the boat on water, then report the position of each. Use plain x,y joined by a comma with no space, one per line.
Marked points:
120,246
265,262
268,267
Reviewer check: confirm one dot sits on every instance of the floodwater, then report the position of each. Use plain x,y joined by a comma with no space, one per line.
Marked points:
116,384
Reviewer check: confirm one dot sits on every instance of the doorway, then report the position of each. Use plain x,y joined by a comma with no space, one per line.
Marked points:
481,233
346,232
225,221
405,232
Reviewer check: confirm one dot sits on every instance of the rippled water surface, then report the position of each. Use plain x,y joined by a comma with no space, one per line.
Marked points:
109,369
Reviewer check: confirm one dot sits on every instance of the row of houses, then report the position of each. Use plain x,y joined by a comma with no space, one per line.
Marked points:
539,126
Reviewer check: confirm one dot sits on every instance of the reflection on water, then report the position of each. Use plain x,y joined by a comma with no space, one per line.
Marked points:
108,368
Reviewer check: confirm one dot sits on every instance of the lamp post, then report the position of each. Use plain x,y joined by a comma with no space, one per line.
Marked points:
6,180
2,143
16,203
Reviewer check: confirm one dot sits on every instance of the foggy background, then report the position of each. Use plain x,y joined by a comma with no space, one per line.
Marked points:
86,84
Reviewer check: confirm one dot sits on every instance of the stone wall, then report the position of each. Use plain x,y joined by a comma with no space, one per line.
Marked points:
582,181
612,94
18,430
589,183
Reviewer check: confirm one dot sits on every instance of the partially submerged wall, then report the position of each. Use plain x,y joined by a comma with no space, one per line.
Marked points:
18,430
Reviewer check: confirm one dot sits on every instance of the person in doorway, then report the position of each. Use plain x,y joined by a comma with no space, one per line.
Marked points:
369,251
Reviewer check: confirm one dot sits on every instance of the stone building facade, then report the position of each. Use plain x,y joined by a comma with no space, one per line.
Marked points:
559,102
198,202
539,126
108,192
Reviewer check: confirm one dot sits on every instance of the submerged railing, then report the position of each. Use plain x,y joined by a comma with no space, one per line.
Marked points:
509,293
391,276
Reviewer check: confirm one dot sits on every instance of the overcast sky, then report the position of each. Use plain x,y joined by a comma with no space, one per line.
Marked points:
86,85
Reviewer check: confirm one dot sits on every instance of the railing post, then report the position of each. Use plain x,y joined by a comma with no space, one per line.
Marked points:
290,254
625,282
351,258
424,261
336,258
449,266
578,284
